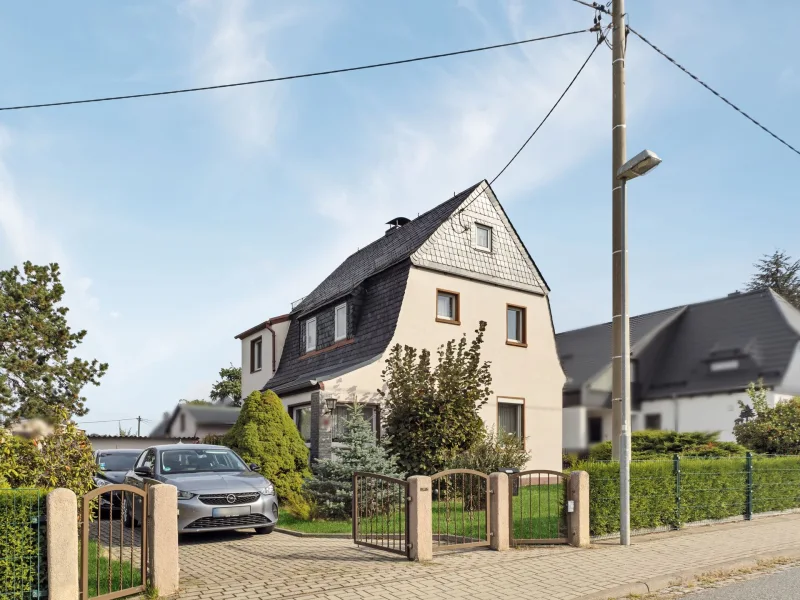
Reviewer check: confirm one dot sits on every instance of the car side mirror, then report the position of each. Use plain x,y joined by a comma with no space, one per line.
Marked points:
143,471
254,467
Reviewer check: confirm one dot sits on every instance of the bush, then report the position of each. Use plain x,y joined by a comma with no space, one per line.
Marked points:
214,439
772,430
21,542
665,444
331,488
492,453
265,434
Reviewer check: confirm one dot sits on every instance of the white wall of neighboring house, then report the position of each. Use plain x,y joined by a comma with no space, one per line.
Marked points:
532,373
574,428
256,380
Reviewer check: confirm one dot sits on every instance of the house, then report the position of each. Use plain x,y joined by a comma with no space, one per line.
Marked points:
197,421
133,442
424,282
690,366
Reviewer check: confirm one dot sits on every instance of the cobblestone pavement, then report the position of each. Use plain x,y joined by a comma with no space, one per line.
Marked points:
242,566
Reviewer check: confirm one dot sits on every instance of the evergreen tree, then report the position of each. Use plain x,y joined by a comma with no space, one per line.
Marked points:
779,273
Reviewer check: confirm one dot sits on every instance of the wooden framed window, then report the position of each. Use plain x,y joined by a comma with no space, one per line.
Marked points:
256,347
447,307
483,237
516,324
511,416
311,334
340,322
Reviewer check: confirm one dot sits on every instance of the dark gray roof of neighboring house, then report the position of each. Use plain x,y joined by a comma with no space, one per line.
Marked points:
759,329
205,415
585,352
160,429
381,254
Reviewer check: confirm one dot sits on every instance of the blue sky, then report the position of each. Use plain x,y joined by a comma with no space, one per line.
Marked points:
181,221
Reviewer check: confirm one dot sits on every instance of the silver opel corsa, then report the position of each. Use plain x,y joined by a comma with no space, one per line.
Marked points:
217,491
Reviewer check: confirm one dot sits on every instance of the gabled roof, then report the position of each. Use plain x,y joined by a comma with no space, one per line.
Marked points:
394,247
758,329
205,415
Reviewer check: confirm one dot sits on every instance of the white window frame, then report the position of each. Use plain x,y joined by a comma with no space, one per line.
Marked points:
339,335
312,322
489,232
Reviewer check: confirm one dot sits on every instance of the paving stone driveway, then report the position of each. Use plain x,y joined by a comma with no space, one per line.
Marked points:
242,566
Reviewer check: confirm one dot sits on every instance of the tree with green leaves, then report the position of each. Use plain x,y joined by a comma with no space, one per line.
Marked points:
433,413
774,429
39,373
228,386
331,488
780,273
266,435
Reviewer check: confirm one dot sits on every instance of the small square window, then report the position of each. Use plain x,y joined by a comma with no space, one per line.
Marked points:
311,334
483,237
447,307
515,325
340,322
255,354
652,421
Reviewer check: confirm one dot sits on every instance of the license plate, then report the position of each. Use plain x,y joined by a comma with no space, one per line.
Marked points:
231,511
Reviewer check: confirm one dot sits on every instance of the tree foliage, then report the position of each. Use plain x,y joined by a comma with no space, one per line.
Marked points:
779,273
228,386
265,434
331,487
432,413
39,375
773,430
665,443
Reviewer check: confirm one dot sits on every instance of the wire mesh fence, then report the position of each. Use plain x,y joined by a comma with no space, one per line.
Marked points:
23,555
671,493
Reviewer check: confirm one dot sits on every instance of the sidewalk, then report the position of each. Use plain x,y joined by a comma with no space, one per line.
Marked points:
280,566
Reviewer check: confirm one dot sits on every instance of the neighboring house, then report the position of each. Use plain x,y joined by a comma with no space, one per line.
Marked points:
426,281
690,365
197,420
133,442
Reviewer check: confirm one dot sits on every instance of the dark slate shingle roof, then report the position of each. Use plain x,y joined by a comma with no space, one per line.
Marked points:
381,254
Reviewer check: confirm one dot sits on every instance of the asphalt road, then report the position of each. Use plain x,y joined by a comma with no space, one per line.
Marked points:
784,585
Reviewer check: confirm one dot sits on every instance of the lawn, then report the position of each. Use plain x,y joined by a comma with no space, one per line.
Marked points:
287,521
118,568
538,512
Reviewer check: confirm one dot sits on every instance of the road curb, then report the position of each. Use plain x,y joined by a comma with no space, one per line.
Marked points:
330,536
654,584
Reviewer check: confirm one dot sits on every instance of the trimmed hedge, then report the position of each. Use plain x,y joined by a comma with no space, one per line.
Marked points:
22,568
710,489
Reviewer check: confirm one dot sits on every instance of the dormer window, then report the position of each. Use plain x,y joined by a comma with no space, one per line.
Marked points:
311,334
340,322
483,237
724,365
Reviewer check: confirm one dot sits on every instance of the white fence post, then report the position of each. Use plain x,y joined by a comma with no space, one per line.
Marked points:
62,545
420,518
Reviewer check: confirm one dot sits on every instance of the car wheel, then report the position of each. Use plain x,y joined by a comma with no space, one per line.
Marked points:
264,530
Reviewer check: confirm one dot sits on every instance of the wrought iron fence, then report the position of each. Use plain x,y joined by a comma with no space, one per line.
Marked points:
23,554
113,542
380,512
460,505
538,508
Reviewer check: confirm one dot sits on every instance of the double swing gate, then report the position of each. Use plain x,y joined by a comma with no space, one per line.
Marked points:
461,500
113,542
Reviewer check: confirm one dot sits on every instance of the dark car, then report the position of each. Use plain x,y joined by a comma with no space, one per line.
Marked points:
112,466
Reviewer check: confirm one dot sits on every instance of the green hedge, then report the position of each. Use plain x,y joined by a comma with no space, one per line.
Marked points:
22,549
707,489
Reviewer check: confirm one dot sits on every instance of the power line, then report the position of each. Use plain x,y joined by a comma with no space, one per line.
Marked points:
710,89
110,421
299,76
595,5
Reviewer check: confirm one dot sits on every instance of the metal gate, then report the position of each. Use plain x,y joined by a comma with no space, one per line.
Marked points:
460,503
538,508
113,550
380,512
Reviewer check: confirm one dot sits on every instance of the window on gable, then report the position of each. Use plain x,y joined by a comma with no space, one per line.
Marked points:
447,309
515,325
510,417
724,365
255,354
340,322
311,334
483,237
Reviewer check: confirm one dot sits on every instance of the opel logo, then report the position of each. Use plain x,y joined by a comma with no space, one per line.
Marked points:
231,498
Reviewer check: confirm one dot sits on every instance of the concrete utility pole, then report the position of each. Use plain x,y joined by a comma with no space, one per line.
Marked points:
138,426
620,325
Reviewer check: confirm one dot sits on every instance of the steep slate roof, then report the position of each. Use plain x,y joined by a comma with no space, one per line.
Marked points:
585,352
760,329
205,415
381,254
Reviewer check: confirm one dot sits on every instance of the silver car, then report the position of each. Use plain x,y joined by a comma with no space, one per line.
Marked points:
217,491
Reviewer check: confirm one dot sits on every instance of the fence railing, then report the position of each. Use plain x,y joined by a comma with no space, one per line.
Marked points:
670,493
23,555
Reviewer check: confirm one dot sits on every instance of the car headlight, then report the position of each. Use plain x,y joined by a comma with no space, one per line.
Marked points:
99,482
268,490
185,495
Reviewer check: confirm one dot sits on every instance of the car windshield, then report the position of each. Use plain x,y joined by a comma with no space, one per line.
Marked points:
116,461
200,461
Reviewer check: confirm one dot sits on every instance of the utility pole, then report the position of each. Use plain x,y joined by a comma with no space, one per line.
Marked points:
620,325
138,426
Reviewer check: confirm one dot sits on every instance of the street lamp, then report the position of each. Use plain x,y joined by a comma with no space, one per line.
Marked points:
639,165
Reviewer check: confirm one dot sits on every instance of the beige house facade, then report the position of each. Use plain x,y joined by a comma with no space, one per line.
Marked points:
426,282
